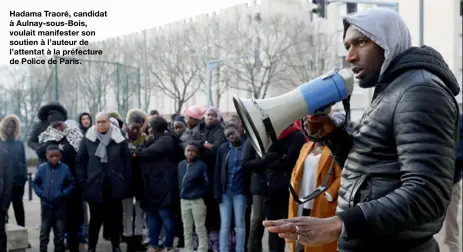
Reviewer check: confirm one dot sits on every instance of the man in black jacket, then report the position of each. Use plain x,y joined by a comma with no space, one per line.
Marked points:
398,167
280,160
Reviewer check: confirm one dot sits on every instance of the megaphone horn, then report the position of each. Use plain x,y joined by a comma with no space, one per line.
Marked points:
265,119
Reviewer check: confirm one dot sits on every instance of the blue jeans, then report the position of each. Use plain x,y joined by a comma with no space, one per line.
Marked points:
156,220
237,204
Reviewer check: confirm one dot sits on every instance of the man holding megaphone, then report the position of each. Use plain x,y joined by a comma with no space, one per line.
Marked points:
398,166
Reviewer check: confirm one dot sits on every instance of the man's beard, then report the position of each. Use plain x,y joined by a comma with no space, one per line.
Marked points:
369,81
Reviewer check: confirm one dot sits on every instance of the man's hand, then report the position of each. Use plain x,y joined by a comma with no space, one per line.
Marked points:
308,231
319,125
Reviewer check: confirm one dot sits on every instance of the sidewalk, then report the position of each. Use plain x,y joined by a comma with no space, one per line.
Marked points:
32,209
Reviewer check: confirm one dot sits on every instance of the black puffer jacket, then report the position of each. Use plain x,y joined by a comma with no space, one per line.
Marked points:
399,165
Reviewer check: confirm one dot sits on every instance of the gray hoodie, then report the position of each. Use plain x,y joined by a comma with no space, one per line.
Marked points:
387,29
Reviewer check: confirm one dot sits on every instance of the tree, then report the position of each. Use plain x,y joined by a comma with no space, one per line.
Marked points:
210,46
175,64
22,92
272,38
312,54
93,80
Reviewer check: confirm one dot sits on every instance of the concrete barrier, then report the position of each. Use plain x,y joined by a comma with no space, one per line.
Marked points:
17,238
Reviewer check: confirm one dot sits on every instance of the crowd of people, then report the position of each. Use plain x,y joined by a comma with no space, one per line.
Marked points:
384,184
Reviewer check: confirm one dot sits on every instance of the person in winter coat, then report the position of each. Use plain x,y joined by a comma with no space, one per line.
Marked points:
281,158
133,220
83,227
10,129
193,116
179,126
209,135
159,173
193,182
53,184
451,229
258,188
398,168
103,166
68,140
47,114
6,193
231,188
314,165
85,122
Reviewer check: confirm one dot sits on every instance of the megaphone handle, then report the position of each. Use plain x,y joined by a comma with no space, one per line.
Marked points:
343,125
269,129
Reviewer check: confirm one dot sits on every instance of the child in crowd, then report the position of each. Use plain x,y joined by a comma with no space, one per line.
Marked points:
193,184
53,183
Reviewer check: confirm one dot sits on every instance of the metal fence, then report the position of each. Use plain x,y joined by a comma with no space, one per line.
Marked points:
94,86
90,86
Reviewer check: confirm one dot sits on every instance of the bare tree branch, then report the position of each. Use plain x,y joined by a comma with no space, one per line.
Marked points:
275,39
175,65
312,54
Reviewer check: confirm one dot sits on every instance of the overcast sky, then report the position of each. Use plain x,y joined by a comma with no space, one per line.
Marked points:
124,16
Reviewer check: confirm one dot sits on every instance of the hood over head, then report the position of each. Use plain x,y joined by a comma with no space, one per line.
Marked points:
53,108
80,119
5,122
386,28
136,112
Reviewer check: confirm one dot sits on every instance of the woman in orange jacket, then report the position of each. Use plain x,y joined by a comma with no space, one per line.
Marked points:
309,172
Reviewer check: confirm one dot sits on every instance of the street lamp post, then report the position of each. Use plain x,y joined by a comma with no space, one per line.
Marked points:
211,65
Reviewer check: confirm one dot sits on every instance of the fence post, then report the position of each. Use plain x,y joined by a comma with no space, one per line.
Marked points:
100,108
126,98
56,82
117,88
139,87
29,179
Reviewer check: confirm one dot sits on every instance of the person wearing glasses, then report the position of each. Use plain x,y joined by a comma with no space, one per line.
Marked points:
316,177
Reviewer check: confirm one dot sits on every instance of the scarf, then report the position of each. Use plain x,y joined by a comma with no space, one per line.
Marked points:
104,142
74,136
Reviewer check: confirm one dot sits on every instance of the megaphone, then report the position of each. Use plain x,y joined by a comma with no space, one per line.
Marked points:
265,119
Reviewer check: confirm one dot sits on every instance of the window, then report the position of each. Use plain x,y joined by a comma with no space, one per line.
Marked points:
351,8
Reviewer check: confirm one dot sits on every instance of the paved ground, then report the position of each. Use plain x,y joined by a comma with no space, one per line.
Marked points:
32,209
